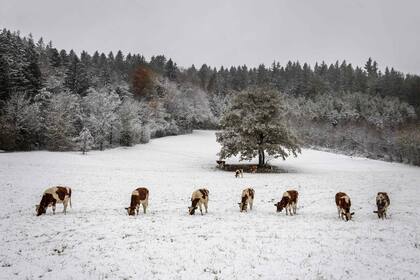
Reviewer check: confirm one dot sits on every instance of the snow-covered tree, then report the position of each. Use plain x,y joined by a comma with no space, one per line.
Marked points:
62,119
100,114
84,140
130,123
19,123
253,125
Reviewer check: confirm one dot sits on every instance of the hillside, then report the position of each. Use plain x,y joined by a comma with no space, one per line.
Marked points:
96,239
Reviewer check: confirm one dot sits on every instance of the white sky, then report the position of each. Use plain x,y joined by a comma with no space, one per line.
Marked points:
229,33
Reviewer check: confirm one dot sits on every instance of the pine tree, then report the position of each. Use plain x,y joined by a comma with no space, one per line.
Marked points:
84,140
254,125
171,70
76,80
4,81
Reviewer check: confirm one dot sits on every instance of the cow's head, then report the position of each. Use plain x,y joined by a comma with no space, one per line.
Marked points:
347,214
192,209
381,203
131,211
242,206
40,210
282,203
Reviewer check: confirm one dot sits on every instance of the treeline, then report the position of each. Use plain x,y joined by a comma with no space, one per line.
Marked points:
49,96
303,80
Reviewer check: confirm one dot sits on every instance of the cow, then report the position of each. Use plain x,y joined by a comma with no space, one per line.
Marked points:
253,168
221,163
239,173
138,196
199,197
51,197
288,201
343,203
247,198
382,202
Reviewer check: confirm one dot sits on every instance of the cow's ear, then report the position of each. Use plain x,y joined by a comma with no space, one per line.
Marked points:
275,205
352,213
239,203
126,208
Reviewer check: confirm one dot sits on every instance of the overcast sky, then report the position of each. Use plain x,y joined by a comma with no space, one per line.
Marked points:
222,32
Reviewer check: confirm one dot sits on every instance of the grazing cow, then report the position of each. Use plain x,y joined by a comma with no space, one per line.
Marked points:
288,201
247,198
51,197
382,202
239,173
343,203
138,196
221,163
199,197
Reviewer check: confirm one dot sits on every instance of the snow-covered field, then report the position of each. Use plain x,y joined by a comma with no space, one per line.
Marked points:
97,240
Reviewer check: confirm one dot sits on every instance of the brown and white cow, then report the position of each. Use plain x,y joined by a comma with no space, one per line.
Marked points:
288,201
382,202
221,163
51,197
253,168
247,198
199,197
343,203
138,196
239,173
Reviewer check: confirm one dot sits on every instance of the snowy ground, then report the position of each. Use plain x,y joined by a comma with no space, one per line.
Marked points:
97,240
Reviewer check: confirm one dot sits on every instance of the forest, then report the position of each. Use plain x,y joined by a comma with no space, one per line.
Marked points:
55,99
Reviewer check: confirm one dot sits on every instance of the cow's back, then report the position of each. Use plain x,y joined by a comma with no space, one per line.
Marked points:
338,197
293,195
142,193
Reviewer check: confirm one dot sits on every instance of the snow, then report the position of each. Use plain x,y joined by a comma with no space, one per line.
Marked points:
97,240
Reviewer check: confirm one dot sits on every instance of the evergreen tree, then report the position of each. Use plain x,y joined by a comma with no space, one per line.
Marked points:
76,80
84,140
171,70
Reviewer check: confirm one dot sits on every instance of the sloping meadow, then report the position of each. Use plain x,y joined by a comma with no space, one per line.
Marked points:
97,239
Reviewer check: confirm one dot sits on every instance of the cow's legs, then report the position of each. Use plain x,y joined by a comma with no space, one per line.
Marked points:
201,210
339,212
294,208
53,208
206,205
250,205
65,206
137,208
144,204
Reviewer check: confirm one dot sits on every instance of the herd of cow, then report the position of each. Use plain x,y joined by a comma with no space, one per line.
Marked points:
200,197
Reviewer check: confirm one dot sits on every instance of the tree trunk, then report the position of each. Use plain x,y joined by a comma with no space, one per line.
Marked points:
110,137
261,157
